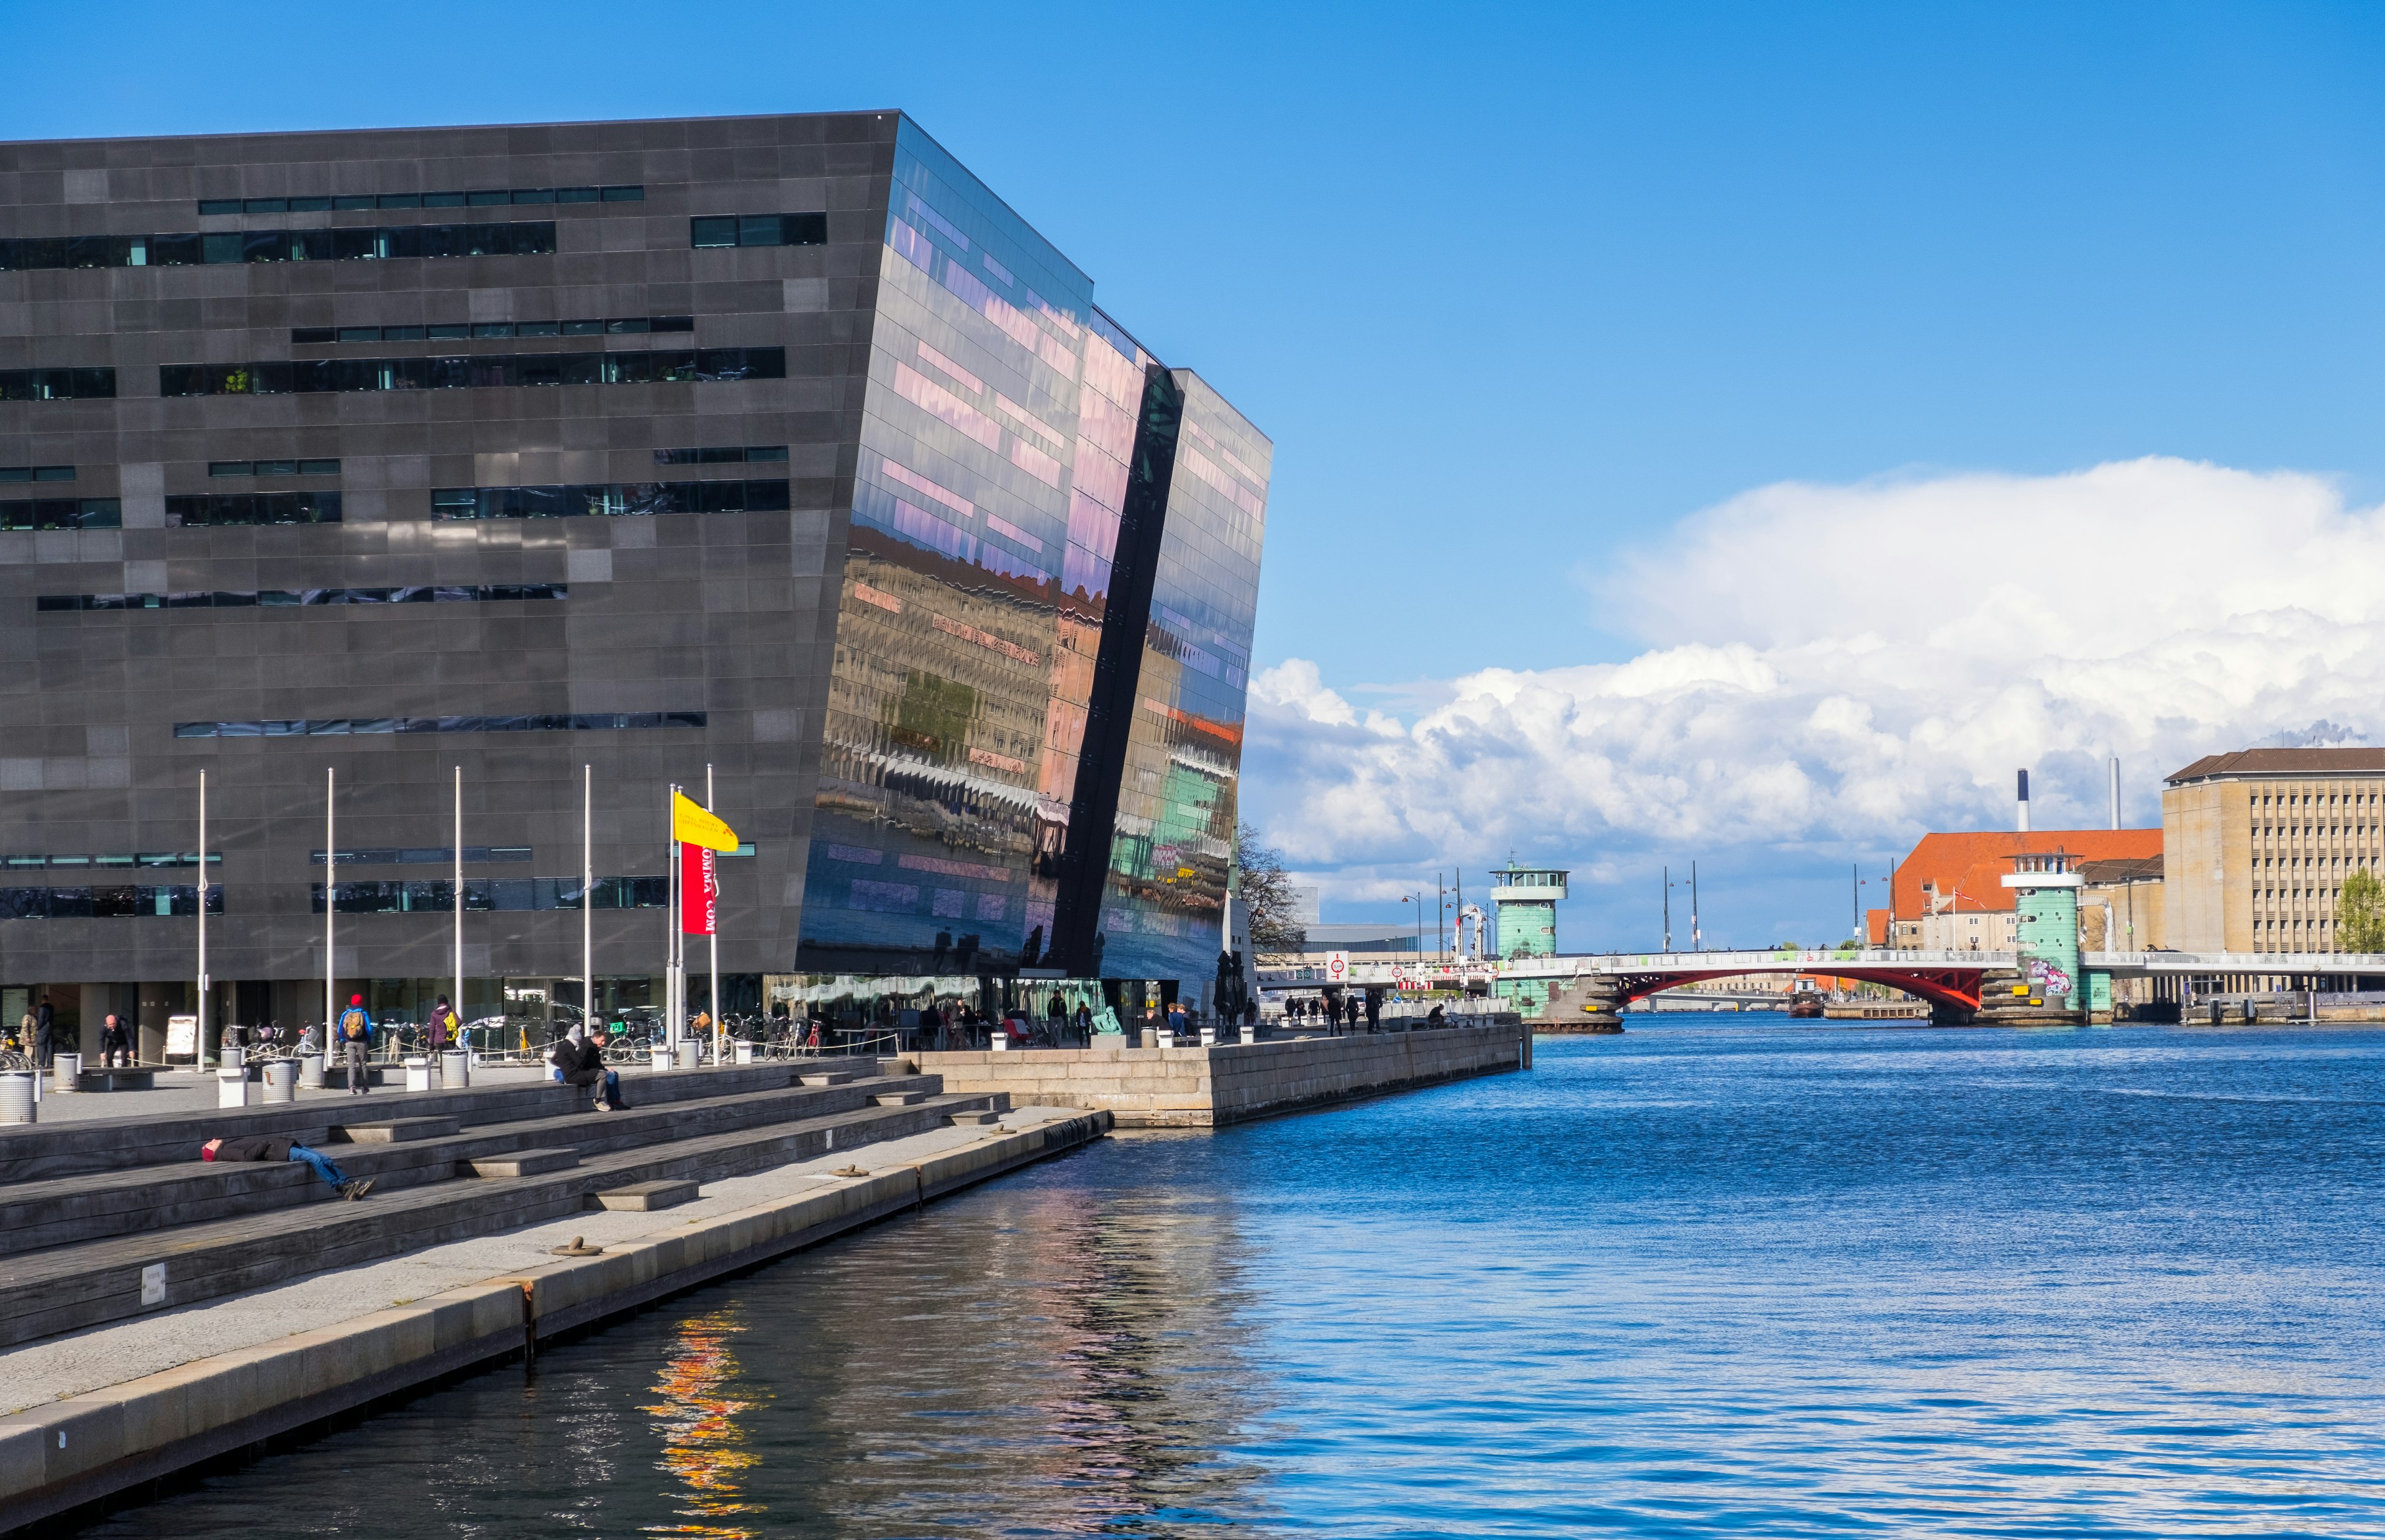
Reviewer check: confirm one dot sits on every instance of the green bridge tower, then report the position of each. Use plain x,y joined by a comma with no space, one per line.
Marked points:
1524,903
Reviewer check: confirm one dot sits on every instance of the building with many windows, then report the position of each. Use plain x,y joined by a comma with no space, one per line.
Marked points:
2258,842
776,454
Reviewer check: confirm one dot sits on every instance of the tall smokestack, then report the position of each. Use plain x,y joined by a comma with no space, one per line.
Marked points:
2024,802
2115,792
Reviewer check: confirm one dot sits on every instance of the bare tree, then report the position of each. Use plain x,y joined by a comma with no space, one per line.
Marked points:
1275,920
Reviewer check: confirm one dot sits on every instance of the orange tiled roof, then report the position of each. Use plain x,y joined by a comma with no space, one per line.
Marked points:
1965,868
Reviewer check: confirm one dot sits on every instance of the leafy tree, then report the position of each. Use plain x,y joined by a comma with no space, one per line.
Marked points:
2360,913
1275,920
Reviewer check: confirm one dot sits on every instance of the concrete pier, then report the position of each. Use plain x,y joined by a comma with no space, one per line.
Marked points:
1207,1088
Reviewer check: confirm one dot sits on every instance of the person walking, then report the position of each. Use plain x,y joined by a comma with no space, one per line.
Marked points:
115,1044
446,1031
355,1035
578,1061
46,1032
262,1148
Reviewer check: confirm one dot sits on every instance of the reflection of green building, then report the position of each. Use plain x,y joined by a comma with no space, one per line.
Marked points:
1523,901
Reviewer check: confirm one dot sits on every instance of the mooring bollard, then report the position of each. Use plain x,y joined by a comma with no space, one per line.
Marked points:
281,1081
17,1097
231,1085
456,1068
310,1071
64,1068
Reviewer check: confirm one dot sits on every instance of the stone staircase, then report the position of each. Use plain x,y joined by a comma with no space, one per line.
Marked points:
105,1220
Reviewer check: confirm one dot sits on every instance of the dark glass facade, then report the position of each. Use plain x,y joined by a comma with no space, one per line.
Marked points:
888,648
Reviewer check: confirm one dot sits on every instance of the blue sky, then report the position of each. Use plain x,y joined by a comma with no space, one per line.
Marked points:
1520,289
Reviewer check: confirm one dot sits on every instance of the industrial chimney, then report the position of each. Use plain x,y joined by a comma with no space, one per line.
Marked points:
2115,792
2024,802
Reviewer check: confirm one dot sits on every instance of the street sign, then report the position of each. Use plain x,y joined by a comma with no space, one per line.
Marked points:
1337,967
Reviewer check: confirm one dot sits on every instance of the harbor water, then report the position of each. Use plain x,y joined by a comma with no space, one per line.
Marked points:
1721,1274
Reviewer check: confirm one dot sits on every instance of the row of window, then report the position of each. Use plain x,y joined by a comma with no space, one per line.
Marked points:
486,198
458,331
431,855
633,499
192,250
217,510
66,473
273,467
306,377
63,513
515,895
759,230
145,858
106,904
342,726
283,598
730,455
57,384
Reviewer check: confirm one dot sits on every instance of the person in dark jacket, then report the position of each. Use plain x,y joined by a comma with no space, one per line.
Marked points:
581,1062
263,1149
46,1032
115,1043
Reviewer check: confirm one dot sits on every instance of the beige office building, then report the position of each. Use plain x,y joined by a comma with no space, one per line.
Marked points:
2257,843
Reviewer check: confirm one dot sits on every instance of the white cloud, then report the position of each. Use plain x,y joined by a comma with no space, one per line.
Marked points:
1847,667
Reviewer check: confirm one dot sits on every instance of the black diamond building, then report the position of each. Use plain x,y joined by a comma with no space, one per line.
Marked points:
776,449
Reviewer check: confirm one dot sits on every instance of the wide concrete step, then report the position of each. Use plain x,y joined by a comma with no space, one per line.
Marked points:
645,1196
399,1131
72,1288
529,1162
35,1216
35,1152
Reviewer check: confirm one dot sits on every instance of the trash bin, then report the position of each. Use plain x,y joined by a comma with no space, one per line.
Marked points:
64,1067
231,1085
281,1081
310,1071
418,1074
745,1051
662,1059
234,1057
456,1068
17,1095
691,1054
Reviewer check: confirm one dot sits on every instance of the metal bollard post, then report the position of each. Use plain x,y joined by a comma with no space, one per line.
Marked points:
17,1097
231,1085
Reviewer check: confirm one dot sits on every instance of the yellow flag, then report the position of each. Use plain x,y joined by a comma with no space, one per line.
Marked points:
691,825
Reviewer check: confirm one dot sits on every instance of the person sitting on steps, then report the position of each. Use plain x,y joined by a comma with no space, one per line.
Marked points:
578,1061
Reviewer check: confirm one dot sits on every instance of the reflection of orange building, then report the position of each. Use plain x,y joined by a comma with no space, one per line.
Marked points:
703,1444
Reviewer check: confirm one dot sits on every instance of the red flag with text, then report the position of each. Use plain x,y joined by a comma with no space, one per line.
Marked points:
699,889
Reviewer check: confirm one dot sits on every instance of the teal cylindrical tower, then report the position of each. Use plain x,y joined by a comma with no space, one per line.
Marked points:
2046,931
1524,903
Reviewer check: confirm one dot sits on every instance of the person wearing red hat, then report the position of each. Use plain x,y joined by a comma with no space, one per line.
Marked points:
354,1033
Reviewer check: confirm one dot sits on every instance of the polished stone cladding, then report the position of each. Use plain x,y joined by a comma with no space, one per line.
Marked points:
723,614
856,493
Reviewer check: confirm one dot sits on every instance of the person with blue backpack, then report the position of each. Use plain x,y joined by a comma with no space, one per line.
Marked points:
355,1035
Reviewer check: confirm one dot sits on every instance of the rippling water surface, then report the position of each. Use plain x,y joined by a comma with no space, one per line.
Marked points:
1716,1275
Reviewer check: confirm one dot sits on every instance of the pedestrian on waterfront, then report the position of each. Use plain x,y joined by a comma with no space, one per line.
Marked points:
1085,1023
262,1148
932,1024
582,1064
115,1044
354,1035
445,1030
23,1042
1374,1011
46,1032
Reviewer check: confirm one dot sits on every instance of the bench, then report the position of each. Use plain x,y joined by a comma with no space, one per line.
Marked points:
115,1080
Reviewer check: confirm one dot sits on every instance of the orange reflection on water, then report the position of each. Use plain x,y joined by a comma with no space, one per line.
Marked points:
697,1419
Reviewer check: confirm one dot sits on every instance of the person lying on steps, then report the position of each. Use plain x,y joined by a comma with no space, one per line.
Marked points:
262,1148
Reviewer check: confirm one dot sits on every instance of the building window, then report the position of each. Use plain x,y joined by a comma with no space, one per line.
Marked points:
63,513
518,196
62,473
504,895
708,232
751,454
289,598
456,331
343,727
216,510
306,377
147,858
430,855
532,239
57,384
107,903
621,499
273,467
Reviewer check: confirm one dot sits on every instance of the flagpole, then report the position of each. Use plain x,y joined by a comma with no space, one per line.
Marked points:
587,902
670,915
331,902
712,902
458,1007
205,1058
